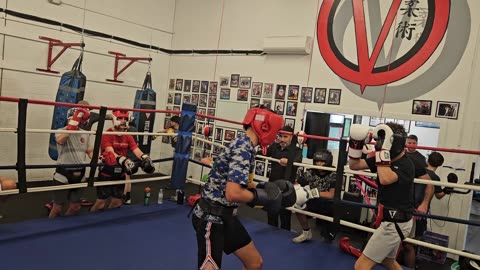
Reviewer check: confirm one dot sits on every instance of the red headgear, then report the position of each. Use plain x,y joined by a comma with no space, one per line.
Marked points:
265,124
120,114
85,118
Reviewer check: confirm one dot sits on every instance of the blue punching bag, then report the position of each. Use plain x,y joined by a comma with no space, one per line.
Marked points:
70,90
145,98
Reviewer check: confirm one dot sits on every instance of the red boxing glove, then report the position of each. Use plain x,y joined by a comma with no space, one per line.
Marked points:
80,117
109,158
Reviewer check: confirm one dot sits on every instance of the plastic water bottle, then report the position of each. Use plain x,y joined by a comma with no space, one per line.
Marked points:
160,196
147,195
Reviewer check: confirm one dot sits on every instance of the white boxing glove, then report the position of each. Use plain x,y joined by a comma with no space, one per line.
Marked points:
359,136
302,197
383,135
300,138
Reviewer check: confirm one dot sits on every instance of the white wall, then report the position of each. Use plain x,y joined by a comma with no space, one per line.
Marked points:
223,24
244,24
23,52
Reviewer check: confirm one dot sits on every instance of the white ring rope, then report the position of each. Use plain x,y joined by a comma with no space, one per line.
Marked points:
367,229
349,171
84,185
36,130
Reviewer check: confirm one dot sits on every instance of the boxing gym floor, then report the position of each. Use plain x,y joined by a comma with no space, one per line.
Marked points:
148,237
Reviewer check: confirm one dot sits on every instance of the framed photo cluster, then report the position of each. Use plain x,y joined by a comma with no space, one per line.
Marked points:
444,109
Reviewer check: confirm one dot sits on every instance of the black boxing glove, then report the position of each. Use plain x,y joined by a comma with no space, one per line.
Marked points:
447,190
147,164
267,195
128,165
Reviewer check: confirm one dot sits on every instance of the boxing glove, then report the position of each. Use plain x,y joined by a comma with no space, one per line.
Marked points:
79,116
128,165
147,164
301,197
383,136
267,195
288,192
108,158
300,137
359,136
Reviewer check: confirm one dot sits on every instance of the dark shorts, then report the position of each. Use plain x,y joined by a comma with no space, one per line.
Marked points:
320,206
214,238
114,191
73,195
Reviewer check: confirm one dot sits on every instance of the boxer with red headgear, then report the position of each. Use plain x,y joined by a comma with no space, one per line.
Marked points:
117,165
228,184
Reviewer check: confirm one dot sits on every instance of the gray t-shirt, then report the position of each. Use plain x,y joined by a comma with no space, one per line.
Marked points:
73,151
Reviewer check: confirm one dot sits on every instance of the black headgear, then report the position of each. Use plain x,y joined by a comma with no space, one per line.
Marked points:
323,155
398,145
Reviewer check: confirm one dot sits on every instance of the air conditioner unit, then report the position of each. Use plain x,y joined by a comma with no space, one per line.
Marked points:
288,45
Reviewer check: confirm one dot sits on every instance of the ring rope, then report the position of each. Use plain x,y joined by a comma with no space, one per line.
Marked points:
84,185
367,229
33,130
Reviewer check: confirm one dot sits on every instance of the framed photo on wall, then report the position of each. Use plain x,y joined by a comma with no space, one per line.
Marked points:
374,121
254,102
306,94
242,95
213,88
291,108
289,122
204,87
195,99
279,106
259,168
257,89
234,80
187,86
171,85
320,94
268,90
229,134
218,134
267,103
245,82
334,96
447,109
293,91
280,93
225,93
423,107
224,81
196,86
179,84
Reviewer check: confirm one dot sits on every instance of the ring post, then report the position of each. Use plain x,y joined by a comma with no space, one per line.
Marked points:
182,149
21,141
342,158
96,147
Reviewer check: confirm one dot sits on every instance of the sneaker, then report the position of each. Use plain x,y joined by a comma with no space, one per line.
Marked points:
304,236
128,202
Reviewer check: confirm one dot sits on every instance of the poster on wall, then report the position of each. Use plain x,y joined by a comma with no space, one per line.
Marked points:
225,93
257,89
280,93
320,94
447,109
234,80
306,94
422,107
293,91
334,96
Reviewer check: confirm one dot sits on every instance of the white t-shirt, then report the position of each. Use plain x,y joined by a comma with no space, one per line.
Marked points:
73,151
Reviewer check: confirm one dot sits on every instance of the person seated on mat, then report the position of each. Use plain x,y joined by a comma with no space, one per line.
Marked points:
116,164
324,182
229,183
6,184
72,149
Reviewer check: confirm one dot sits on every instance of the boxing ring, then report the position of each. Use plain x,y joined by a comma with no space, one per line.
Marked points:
161,236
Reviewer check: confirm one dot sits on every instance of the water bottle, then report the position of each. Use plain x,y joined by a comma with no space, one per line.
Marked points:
146,197
160,196
180,196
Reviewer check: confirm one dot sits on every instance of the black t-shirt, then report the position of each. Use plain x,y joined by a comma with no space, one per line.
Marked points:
420,170
417,157
292,153
398,195
434,177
